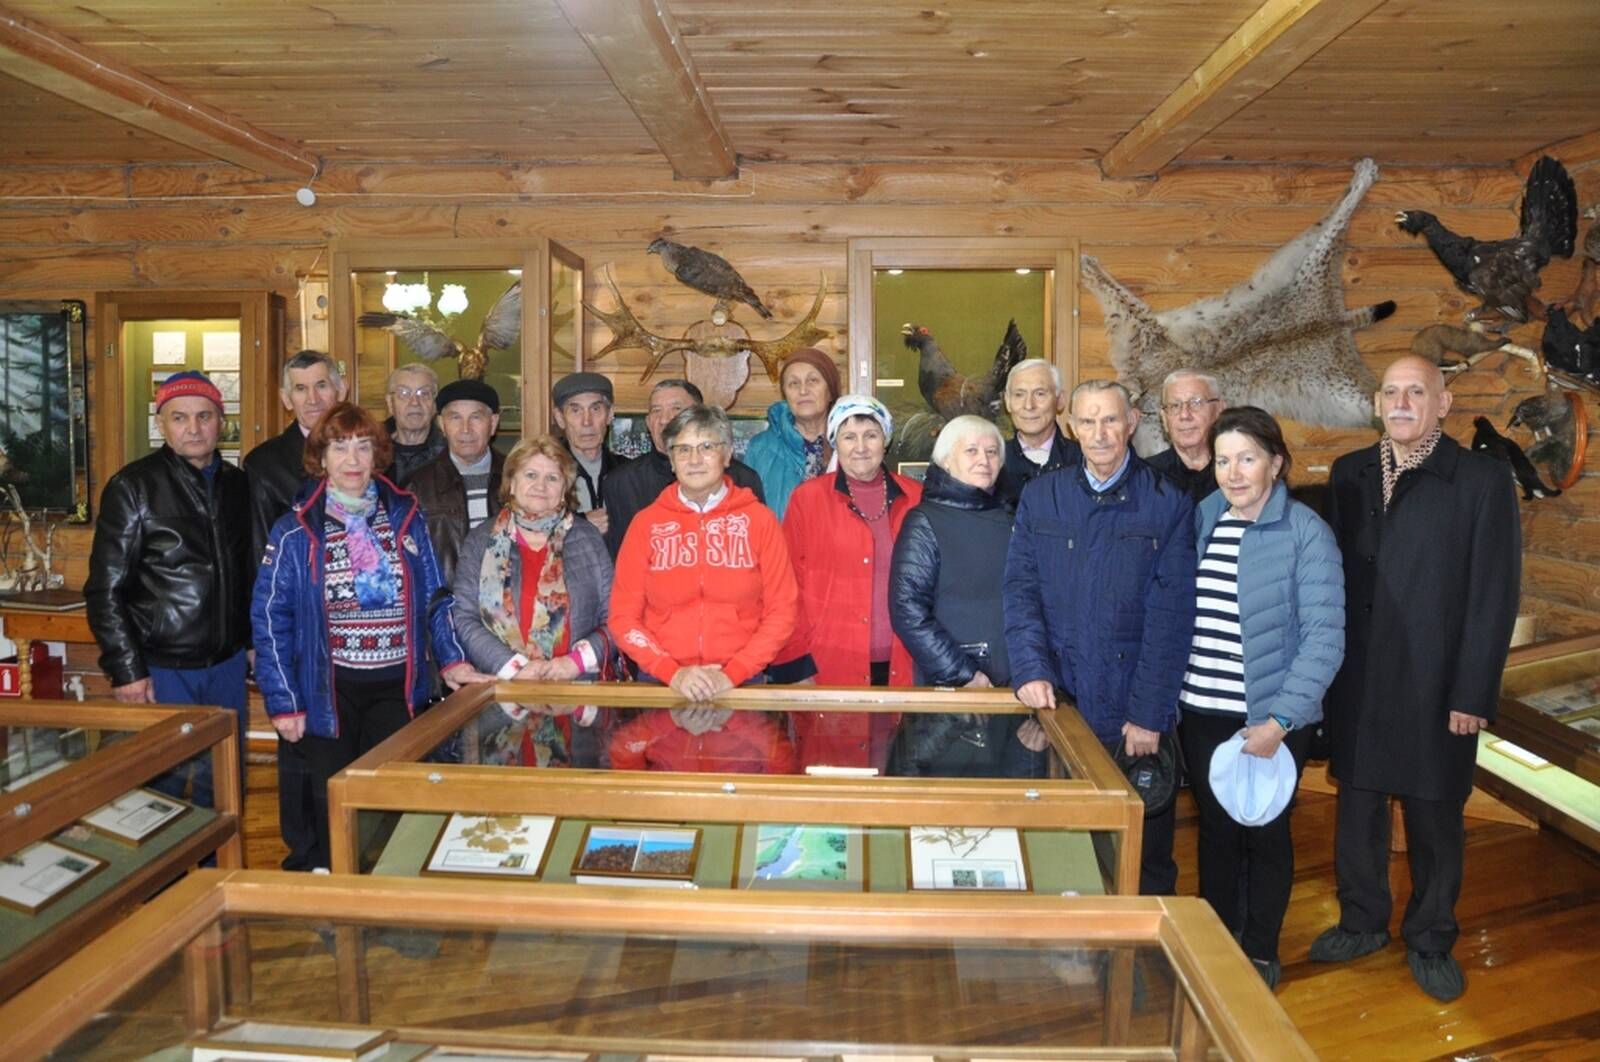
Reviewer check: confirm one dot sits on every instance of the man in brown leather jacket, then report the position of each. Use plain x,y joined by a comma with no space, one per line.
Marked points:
460,489
169,581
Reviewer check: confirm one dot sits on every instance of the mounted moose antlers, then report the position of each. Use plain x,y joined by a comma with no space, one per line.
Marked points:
716,356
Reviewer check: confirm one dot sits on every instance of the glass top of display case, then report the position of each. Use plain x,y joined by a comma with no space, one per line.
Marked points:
30,752
480,967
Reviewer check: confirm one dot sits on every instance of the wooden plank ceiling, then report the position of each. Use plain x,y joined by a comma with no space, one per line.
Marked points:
1418,81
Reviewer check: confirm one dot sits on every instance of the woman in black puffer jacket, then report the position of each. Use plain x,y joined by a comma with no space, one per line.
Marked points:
944,604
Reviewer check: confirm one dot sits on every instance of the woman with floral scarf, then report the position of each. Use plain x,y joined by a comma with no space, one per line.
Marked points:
531,589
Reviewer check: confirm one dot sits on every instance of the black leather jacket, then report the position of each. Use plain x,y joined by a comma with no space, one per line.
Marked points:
170,569
442,494
277,472
944,583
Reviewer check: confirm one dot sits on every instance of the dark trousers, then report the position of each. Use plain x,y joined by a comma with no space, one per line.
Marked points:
297,808
220,685
1435,848
1158,871
1257,859
369,711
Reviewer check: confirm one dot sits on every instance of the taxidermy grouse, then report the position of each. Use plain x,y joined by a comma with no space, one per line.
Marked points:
1570,349
950,394
1505,273
501,328
707,272
1486,440
1558,427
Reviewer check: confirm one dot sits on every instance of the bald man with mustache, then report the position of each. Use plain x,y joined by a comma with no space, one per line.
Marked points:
1432,550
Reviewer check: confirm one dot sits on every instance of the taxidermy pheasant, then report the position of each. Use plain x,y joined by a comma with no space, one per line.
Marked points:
707,272
1570,349
502,326
1505,273
1281,340
1486,440
949,393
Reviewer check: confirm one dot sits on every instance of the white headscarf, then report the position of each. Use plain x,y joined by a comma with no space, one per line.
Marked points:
859,406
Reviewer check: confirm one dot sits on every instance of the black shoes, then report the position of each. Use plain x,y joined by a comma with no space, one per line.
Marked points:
1270,970
1338,944
1438,973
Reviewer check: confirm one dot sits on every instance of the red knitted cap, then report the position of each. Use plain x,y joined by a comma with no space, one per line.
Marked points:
180,384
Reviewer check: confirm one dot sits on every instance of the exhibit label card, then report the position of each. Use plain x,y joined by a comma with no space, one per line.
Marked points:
967,857
42,873
501,846
135,816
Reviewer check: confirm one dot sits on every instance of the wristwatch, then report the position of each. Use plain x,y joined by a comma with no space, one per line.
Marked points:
1282,721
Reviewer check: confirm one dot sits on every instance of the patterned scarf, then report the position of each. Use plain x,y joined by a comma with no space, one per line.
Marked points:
499,585
1393,469
375,582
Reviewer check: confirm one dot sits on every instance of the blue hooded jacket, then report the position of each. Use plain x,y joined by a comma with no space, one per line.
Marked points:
287,614
1291,606
778,456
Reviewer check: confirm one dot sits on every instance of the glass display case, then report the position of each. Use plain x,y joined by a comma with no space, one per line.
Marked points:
1542,755
82,838
591,783
485,969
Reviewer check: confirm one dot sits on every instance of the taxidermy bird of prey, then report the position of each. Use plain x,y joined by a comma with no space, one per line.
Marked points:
1505,273
1281,340
1486,440
501,328
707,272
949,393
1560,430
1570,349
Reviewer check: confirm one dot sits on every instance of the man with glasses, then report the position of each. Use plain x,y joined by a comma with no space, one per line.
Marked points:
1191,402
417,439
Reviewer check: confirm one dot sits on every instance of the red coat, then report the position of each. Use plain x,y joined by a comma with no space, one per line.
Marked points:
831,550
748,743
711,588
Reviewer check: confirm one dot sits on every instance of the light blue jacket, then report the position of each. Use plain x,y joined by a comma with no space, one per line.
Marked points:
778,456
1291,606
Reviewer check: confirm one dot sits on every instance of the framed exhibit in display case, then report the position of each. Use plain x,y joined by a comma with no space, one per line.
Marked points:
78,846
463,966
1074,824
1541,755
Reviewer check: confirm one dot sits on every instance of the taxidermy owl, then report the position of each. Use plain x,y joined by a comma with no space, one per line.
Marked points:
707,272
1281,340
501,328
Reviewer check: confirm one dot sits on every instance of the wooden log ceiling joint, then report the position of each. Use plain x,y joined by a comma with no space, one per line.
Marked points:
643,54
41,57
1576,153
1270,45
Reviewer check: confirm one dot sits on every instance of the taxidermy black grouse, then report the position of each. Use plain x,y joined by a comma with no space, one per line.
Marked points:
501,328
1505,273
1570,349
1491,442
950,394
707,272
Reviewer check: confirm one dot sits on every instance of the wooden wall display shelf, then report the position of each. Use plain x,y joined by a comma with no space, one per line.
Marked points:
25,626
1094,796
156,739
243,936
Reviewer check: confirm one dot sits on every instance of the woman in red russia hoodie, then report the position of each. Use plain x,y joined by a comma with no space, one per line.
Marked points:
841,528
703,599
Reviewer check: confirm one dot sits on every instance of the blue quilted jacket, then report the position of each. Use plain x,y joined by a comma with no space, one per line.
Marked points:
779,457
290,623
1291,606
1099,594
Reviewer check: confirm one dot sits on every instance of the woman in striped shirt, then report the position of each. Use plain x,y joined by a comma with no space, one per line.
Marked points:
1268,639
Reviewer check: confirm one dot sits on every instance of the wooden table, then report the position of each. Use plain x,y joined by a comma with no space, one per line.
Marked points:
25,626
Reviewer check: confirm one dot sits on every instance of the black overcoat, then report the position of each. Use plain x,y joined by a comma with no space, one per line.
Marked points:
1431,590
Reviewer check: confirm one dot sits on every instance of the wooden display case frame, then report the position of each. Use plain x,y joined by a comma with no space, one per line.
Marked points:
1220,1003
162,738
393,778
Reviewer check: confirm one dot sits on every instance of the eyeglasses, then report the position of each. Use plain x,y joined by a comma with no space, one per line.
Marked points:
405,394
684,451
1193,405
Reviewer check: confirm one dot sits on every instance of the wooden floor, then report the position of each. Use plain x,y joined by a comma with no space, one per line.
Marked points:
1530,945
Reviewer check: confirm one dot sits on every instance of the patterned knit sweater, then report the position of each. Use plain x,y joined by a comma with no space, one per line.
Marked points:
365,639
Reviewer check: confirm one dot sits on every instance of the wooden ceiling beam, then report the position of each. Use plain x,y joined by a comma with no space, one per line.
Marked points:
642,52
41,57
1270,45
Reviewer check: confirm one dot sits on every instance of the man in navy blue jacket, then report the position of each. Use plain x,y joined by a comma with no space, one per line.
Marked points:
1099,595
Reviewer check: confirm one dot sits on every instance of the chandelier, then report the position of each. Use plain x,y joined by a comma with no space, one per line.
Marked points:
416,300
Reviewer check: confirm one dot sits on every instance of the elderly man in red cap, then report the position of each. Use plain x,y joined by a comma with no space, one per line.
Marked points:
170,571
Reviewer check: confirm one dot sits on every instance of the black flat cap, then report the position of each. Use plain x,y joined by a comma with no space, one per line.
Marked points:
581,383
467,390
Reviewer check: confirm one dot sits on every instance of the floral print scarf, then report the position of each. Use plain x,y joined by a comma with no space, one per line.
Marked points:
1392,468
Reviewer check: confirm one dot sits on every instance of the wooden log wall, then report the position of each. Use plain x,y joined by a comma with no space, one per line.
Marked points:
70,232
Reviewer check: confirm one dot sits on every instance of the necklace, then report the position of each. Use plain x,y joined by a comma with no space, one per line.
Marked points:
851,494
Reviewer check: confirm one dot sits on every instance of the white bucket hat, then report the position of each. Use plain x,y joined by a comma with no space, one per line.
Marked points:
1253,790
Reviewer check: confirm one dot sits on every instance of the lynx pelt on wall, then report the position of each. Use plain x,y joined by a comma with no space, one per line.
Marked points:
1281,340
